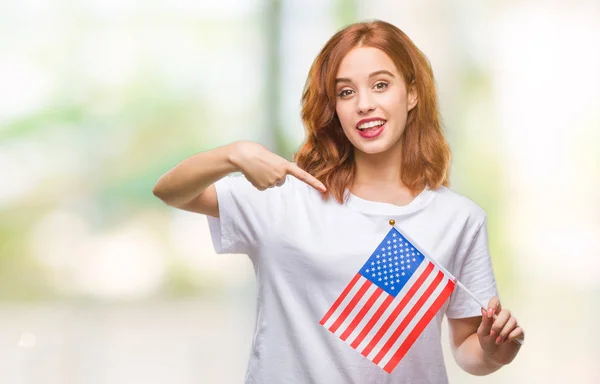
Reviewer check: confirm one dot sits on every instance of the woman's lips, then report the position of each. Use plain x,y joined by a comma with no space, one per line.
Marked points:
371,132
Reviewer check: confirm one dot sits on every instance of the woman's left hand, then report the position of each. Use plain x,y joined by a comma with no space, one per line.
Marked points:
497,336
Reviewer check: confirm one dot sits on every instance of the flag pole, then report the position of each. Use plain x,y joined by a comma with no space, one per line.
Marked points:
461,285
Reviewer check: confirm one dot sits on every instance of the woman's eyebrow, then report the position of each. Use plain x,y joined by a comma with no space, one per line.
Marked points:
380,72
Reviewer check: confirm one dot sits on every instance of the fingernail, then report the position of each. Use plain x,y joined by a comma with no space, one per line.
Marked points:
499,339
323,188
493,333
490,312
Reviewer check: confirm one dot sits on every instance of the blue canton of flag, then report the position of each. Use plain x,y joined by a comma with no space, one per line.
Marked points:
393,263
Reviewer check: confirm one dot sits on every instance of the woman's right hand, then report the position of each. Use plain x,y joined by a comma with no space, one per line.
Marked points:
264,169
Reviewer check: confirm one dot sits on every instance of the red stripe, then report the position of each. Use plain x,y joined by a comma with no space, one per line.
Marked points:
409,295
420,326
410,316
339,299
346,312
386,303
362,313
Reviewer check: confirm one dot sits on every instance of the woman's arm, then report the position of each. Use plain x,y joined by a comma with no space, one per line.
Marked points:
466,349
482,345
189,185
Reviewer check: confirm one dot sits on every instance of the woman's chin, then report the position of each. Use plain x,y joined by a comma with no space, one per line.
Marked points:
372,148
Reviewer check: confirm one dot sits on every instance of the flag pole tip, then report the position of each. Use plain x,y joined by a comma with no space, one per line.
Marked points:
392,222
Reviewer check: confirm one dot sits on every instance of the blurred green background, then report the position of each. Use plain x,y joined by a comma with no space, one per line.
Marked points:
100,282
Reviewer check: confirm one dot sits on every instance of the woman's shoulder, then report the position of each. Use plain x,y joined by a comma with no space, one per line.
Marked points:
448,198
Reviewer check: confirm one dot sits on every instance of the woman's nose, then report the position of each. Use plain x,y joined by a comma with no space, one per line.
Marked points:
365,103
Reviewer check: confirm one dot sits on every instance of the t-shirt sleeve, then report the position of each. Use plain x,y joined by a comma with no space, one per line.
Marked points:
475,273
246,214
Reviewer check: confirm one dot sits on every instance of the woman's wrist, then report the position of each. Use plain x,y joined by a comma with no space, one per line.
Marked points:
234,155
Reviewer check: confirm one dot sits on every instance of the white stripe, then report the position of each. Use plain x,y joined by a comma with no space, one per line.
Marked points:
407,308
361,303
367,317
434,295
345,302
390,309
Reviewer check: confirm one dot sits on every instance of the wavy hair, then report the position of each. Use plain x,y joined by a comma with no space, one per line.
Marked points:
327,153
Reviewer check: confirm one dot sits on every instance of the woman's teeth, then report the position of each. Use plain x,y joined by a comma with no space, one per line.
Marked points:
371,124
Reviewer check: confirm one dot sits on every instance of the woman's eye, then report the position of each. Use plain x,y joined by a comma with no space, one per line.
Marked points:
381,86
344,92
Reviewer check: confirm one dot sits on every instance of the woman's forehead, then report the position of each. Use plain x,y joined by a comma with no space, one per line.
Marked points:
364,61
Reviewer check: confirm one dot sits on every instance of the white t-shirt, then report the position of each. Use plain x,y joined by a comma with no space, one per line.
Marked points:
305,250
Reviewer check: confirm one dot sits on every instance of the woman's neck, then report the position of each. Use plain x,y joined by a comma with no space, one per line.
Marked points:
381,169
378,178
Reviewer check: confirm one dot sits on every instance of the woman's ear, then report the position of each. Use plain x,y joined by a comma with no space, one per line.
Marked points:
412,97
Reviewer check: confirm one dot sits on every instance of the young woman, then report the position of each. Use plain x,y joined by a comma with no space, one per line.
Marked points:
374,156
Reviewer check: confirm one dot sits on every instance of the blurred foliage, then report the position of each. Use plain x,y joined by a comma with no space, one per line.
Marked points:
346,12
21,277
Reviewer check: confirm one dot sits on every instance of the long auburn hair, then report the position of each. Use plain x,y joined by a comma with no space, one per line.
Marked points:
328,155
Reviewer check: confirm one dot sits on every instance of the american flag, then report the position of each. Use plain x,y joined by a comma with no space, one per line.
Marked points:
389,302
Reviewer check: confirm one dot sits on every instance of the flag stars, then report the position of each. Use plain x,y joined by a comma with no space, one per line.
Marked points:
396,267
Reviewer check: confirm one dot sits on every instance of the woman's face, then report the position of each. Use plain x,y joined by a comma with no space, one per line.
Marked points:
372,101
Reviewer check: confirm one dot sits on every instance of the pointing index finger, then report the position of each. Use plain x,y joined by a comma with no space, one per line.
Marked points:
306,177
